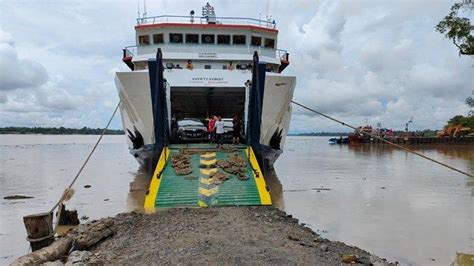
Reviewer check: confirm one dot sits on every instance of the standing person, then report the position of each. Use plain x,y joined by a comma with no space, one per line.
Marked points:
236,126
211,128
230,66
219,132
248,84
190,65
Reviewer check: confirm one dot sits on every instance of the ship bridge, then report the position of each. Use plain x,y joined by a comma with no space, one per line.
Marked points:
210,42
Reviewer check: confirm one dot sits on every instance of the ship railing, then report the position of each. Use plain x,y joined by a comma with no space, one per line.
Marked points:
132,50
129,51
270,24
282,55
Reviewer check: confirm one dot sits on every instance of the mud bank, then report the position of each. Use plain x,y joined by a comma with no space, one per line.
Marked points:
231,235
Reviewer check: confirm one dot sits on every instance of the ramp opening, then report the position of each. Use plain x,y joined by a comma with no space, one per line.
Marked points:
197,104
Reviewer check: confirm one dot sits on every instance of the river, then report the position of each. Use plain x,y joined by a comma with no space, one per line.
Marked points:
383,200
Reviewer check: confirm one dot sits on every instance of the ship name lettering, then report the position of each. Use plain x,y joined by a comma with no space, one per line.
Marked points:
207,79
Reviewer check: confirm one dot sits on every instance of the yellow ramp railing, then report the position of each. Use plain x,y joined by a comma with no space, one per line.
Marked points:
156,181
265,198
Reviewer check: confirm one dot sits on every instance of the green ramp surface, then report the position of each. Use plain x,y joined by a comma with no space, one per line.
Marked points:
196,189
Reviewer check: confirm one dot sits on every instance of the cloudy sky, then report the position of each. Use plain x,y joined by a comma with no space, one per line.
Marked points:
379,61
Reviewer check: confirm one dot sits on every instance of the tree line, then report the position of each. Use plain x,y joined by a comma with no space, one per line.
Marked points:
424,133
319,134
59,131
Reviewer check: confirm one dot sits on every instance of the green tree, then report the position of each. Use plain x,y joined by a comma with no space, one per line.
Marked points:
461,121
458,29
470,102
456,120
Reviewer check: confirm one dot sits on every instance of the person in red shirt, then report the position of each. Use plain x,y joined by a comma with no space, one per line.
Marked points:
211,128
237,125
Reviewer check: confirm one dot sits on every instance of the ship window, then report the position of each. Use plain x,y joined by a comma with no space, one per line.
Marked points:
207,66
158,38
144,40
223,39
176,37
257,41
192,38
207,38
239,39
270,43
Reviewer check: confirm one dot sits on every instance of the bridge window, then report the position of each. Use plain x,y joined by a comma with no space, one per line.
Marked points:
270,43
223,39
257,41
207,38
176,37
144,40
192,38
239,39
158,38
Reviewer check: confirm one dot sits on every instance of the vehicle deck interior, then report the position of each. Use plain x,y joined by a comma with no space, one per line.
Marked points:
202,102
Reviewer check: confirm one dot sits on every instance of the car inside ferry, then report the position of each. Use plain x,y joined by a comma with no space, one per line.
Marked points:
192,107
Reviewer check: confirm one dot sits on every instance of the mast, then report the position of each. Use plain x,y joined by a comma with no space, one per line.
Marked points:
138,8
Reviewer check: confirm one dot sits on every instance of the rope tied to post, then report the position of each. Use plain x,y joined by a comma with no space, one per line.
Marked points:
383,140
69,191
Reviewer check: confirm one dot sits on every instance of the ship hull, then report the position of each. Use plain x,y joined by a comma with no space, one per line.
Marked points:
137,114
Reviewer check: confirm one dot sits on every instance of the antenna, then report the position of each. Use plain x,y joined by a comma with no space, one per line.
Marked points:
138,8
209,13
268,10
144,8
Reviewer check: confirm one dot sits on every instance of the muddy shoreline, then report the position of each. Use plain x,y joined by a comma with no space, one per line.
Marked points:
230,235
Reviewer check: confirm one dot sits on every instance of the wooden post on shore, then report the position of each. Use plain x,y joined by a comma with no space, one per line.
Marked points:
39,228
66,217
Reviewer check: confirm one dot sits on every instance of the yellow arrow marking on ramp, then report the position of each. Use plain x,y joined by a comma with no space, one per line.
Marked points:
202,204
208,192
206,181
210,162
208,155
208,172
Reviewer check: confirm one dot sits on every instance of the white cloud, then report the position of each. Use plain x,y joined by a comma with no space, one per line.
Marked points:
3,97
380,62
15,72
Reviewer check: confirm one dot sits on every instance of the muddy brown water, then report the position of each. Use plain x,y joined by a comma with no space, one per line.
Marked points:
386,201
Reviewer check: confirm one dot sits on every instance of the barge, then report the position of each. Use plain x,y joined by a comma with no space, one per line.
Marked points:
425,140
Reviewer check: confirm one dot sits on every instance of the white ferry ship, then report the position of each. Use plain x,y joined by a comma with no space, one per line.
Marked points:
197,66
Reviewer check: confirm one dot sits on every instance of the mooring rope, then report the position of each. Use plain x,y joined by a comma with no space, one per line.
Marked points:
88,157
384,140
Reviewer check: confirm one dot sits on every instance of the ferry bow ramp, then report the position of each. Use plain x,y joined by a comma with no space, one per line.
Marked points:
201,176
